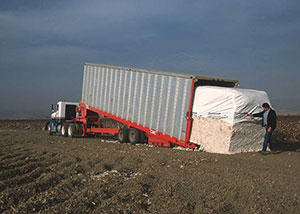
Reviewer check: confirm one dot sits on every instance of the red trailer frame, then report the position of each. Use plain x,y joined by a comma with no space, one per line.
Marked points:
155,137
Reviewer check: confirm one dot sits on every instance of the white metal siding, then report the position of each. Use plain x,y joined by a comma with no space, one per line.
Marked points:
157,101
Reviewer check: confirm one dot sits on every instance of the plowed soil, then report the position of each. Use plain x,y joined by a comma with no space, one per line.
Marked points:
51,174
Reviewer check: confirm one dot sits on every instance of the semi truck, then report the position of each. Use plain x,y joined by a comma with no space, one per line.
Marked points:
60,113
158,108
150,106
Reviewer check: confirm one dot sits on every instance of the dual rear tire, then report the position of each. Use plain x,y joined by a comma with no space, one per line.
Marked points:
64,130
72,131
134,136
68,130
123,135
131,135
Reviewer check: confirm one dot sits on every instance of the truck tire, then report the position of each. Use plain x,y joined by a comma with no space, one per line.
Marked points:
49,131
134,136
64,130
47,126
58,128
143,137
72,130
123,135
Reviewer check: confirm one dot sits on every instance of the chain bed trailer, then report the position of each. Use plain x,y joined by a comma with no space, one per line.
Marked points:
152,106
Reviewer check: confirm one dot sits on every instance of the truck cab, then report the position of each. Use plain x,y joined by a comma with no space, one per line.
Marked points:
61,112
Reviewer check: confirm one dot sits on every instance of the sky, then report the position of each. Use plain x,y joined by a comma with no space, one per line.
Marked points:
44,45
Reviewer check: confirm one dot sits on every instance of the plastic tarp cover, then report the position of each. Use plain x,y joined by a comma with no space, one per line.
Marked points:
228,104
220,119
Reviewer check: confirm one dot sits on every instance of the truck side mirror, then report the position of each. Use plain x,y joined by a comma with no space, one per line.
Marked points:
52,108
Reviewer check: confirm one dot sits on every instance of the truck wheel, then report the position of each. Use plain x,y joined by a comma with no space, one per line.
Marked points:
49,131
64,130
58,128
47,126
134,136
72,130
123,135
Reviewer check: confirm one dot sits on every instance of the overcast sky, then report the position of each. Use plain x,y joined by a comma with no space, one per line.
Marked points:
44,44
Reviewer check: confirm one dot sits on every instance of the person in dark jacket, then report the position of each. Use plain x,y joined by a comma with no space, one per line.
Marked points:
269,121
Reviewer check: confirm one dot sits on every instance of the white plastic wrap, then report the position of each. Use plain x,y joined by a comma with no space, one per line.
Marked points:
220,121
228,104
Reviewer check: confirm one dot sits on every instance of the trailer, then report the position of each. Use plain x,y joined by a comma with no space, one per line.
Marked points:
151,106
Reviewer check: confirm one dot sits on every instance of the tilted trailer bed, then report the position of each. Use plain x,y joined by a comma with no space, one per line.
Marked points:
152,106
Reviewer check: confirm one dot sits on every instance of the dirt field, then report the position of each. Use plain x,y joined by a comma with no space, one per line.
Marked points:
51,174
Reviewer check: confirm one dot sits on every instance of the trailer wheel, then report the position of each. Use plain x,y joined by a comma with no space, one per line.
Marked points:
123,135
143,137
72,130
64,130
134,136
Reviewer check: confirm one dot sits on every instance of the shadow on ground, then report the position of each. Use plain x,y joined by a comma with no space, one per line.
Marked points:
287,146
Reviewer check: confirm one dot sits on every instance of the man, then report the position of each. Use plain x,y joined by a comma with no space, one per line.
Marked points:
269,120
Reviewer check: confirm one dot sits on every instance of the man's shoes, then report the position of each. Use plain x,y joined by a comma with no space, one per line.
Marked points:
264,152
275,151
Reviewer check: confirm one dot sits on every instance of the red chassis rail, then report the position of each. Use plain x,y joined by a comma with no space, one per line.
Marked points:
154,137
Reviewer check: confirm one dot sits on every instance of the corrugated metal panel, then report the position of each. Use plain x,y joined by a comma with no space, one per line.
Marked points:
155,100
183,75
